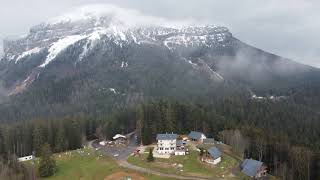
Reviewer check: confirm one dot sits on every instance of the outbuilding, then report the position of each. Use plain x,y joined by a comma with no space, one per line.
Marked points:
213,156
209,141
119,139
196,136
26,158
253,168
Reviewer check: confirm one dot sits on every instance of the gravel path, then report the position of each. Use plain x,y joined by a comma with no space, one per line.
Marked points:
125,164
124,153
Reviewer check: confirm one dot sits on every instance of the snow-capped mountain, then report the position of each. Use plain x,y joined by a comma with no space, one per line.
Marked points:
105,49
92,26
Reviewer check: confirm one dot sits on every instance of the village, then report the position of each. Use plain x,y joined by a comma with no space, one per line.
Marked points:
173,153
195,150
190,156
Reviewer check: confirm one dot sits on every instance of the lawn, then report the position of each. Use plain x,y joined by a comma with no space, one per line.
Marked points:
86,164
191,165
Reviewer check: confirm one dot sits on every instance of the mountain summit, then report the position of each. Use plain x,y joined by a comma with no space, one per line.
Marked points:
122,55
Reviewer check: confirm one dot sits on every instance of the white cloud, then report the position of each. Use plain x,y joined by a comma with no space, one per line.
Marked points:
288,27
1,49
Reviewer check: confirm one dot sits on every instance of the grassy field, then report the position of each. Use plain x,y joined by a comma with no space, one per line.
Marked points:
191,165
85,164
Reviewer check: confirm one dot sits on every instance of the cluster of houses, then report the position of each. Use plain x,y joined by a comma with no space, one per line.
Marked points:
169,144
173,145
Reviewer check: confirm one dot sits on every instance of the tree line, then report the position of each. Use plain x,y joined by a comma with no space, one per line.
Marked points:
263,130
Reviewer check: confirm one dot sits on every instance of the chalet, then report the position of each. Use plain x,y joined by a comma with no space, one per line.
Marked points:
213,156
119,139
209,141
167,143
253,168
196,136
26,158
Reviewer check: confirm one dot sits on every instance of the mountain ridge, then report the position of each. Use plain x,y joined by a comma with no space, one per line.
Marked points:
70,62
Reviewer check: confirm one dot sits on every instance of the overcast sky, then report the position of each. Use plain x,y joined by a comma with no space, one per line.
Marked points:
289,28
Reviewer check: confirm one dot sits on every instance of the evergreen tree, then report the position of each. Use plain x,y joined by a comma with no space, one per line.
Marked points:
60,139
150,156
38,138
47,165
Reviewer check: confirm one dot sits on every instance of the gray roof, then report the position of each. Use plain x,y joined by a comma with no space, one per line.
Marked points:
166,136
214,152
195,135
250,167
208,141
181,143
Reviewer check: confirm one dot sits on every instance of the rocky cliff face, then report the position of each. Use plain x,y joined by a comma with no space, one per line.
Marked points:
47,41
80,57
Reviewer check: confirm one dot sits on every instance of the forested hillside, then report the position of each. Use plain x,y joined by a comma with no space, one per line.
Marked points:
274,132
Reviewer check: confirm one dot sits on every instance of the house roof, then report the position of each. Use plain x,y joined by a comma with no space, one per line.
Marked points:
166,136
250,167
118,136
208,141
195,135
214,152
180,143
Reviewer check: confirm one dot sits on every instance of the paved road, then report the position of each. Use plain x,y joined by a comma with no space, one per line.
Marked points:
121,153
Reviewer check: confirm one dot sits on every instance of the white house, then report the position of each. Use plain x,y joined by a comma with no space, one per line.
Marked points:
196,136
26,158
167,143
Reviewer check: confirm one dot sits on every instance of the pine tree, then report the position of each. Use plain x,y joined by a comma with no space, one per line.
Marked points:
60,139
47,165
38,139
150,156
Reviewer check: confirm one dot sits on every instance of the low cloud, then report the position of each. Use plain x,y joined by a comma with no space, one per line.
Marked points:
1,49
288,28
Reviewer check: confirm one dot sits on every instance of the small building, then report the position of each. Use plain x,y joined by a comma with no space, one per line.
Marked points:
120,139
213,156
167,143
196,136
209,141
253,168
26,158
180,149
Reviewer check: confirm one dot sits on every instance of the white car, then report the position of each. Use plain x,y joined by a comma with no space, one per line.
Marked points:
116,155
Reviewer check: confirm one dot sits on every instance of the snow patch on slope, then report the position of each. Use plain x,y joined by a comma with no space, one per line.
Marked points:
28,53
92,40
57,47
